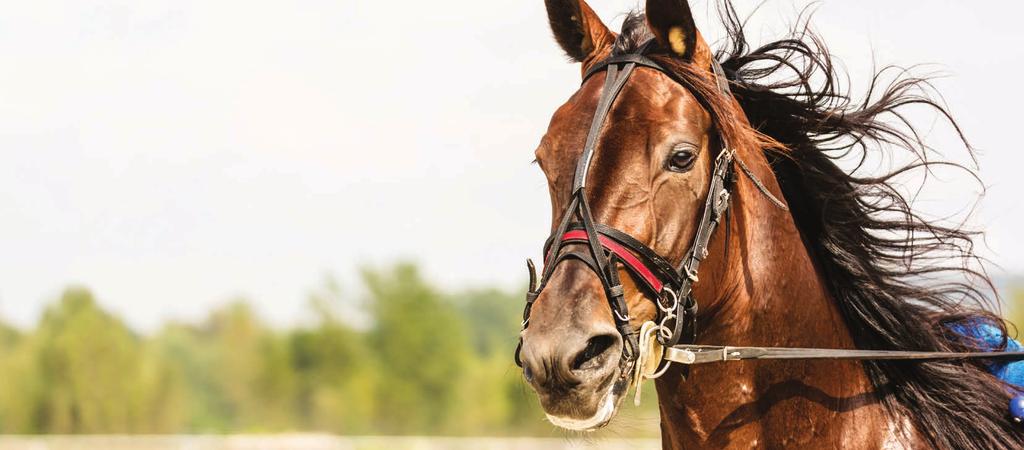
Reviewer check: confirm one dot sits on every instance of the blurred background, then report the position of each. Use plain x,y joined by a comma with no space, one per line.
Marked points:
312,216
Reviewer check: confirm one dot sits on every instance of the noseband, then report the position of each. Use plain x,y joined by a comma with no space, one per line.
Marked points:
606,248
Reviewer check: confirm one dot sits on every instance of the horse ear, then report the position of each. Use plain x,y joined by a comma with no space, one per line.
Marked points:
577,28
672,23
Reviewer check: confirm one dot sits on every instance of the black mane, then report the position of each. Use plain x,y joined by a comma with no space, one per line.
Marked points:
901,280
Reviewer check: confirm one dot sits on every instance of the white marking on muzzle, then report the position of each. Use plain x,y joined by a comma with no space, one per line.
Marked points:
603,415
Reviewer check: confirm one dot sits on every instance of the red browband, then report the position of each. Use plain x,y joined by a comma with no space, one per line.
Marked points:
627,257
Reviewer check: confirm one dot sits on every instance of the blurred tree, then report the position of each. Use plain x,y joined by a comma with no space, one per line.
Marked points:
421,347
251,369
335,370
14,375
9,337
91,375
493,319
1015,310
186,348
403,359
494,399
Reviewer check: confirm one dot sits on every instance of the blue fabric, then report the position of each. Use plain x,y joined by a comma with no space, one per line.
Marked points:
1012,372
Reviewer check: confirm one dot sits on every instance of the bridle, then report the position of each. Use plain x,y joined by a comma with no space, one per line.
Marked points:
648,352
606,248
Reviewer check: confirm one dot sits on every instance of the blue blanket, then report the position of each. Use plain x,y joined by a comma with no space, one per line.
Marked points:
1012,372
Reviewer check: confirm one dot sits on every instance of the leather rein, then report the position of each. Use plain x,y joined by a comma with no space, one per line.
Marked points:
648,352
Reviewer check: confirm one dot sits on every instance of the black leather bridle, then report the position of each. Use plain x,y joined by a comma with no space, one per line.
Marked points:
606,248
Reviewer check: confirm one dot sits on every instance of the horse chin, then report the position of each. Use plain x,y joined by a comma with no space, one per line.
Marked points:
606,410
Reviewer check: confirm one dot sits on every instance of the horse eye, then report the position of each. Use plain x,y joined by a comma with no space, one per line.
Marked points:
681,161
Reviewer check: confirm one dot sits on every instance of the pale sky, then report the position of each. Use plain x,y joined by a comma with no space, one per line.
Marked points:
174,154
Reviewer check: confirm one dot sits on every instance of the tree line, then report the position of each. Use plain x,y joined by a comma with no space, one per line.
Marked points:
415,360
405,358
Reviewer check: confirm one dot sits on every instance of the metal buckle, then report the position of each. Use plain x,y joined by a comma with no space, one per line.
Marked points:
668,313
675,300
691,275
726,153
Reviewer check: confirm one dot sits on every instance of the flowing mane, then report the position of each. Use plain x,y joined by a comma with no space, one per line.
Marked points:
901,281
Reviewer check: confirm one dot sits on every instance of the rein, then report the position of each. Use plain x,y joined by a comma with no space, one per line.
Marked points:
649,352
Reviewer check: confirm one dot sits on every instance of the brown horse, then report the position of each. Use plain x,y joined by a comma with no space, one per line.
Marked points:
841,265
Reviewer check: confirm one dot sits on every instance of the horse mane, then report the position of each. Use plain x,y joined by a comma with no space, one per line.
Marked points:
901,281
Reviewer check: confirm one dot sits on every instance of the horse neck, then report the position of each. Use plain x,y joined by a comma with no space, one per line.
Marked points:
766,291
769,291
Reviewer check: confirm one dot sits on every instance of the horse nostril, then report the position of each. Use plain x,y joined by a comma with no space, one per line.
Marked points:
528,374
596,346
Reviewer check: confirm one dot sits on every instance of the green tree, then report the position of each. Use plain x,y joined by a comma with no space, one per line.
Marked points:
14,374
9,337
1015,310
493,318
406,358
421,349
336,372
238,371
495,400
91,374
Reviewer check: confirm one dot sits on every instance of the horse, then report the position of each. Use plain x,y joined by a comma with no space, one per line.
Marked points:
665,142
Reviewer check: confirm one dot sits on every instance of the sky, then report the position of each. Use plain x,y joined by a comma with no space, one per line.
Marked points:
174,155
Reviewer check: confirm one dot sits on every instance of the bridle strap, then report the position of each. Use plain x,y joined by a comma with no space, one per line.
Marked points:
638,60
637,267
715,206
633,253
614,82
720,77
